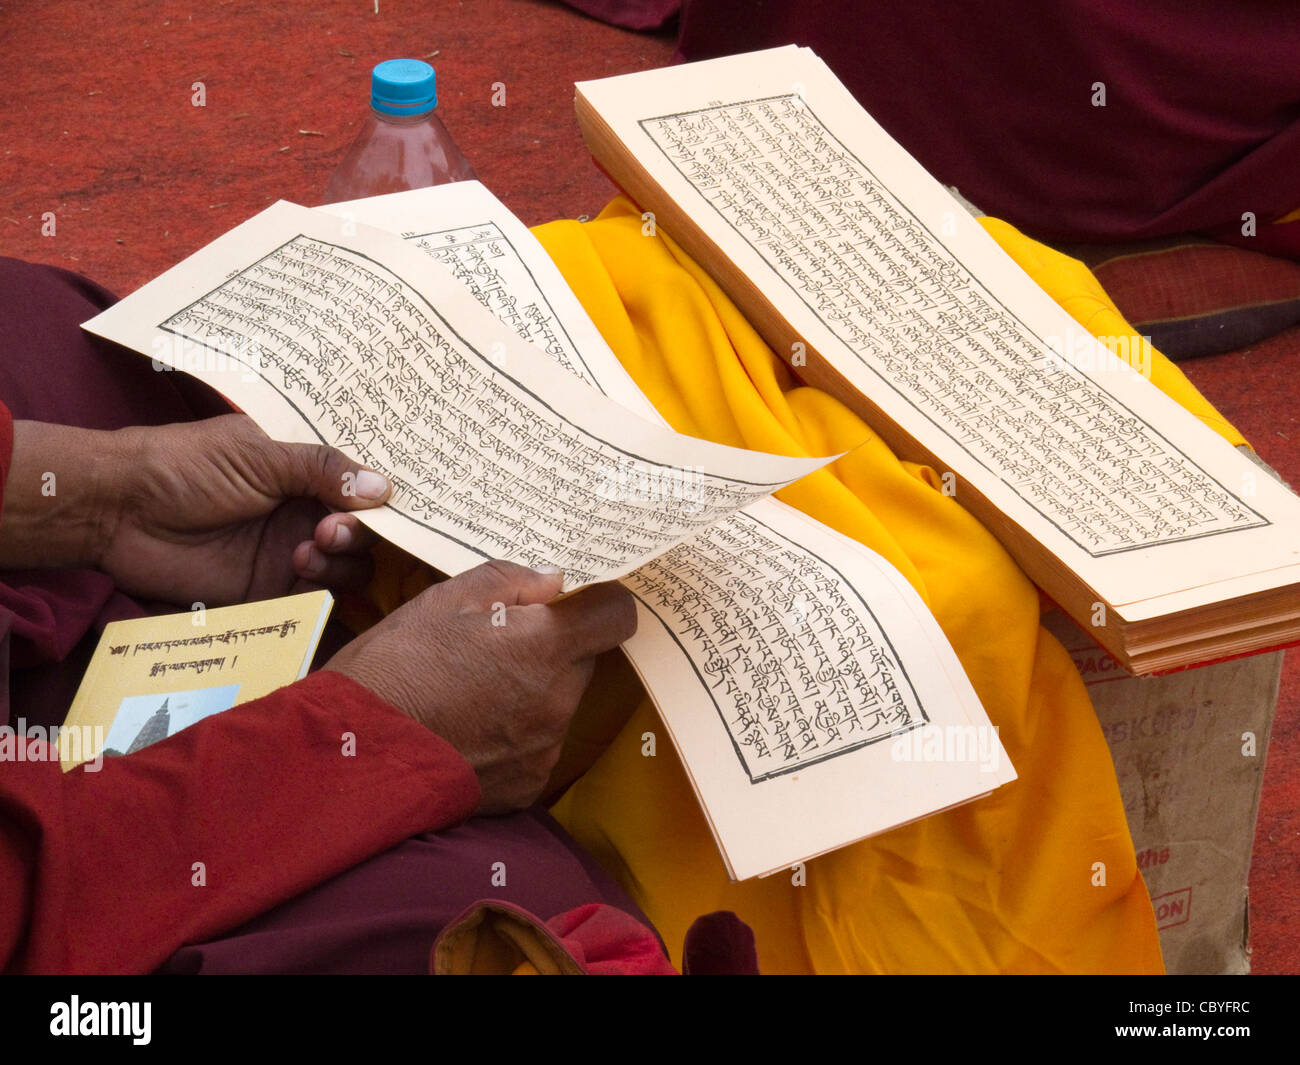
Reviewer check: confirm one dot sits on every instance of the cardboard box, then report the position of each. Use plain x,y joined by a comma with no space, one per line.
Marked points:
1189,752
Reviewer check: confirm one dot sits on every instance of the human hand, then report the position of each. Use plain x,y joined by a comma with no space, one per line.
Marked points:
212,511
221,513
490,664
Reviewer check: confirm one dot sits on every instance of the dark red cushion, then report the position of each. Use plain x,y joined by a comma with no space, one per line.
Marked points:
1194,296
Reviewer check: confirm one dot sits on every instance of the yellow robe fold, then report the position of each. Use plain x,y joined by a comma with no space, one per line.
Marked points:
1040,876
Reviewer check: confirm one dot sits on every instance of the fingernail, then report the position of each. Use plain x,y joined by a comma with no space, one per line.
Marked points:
342,537
371,485
315,563
549,571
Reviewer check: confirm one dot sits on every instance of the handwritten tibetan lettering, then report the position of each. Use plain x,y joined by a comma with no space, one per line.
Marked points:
473,455
796,664
916,317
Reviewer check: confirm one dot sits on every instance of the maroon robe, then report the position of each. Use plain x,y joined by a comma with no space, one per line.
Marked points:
311,862
1200,123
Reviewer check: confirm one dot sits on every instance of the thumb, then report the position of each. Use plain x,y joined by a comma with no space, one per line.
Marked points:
504,582
325,473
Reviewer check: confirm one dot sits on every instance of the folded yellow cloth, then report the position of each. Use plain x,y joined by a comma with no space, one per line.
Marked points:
1080,294
1038,877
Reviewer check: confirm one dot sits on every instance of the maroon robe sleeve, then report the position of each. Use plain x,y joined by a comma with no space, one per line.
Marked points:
114,870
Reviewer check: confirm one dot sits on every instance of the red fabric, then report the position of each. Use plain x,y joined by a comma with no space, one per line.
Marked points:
1188,275
605,941
1275,238
98,869
600,939
1196,297
49,611
608,942
720,944
6,449
630,14
384,915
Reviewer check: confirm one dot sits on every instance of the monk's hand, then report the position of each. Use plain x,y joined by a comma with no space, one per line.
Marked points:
488,662
211,511
216,511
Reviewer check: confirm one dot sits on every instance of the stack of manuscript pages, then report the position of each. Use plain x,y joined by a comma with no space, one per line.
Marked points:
1171,547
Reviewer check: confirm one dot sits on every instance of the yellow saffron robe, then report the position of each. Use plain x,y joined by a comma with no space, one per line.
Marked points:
1038,877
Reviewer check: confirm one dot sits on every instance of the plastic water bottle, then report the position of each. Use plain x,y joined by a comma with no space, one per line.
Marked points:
403,144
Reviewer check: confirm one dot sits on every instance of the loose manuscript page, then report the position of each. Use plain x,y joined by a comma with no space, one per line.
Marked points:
881,271
812,696
326,331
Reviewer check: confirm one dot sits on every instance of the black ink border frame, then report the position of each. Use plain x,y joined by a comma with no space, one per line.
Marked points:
452,332
722,717
555,315
803,104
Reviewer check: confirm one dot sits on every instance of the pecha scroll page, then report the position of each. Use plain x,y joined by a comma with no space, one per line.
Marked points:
324,331
1148,528
801,678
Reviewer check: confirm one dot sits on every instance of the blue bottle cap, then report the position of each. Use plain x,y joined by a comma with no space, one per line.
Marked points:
403,87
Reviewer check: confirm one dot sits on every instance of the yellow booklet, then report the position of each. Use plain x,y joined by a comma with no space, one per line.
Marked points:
152,677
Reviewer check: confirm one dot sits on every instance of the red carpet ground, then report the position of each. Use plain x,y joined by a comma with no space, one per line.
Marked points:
100,128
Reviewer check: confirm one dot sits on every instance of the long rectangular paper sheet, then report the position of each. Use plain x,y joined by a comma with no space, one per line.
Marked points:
880,270
804,683
323,330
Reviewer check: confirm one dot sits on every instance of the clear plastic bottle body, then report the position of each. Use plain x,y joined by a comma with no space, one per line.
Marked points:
393,153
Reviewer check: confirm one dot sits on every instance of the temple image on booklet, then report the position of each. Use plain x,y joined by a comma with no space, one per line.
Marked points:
145,719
